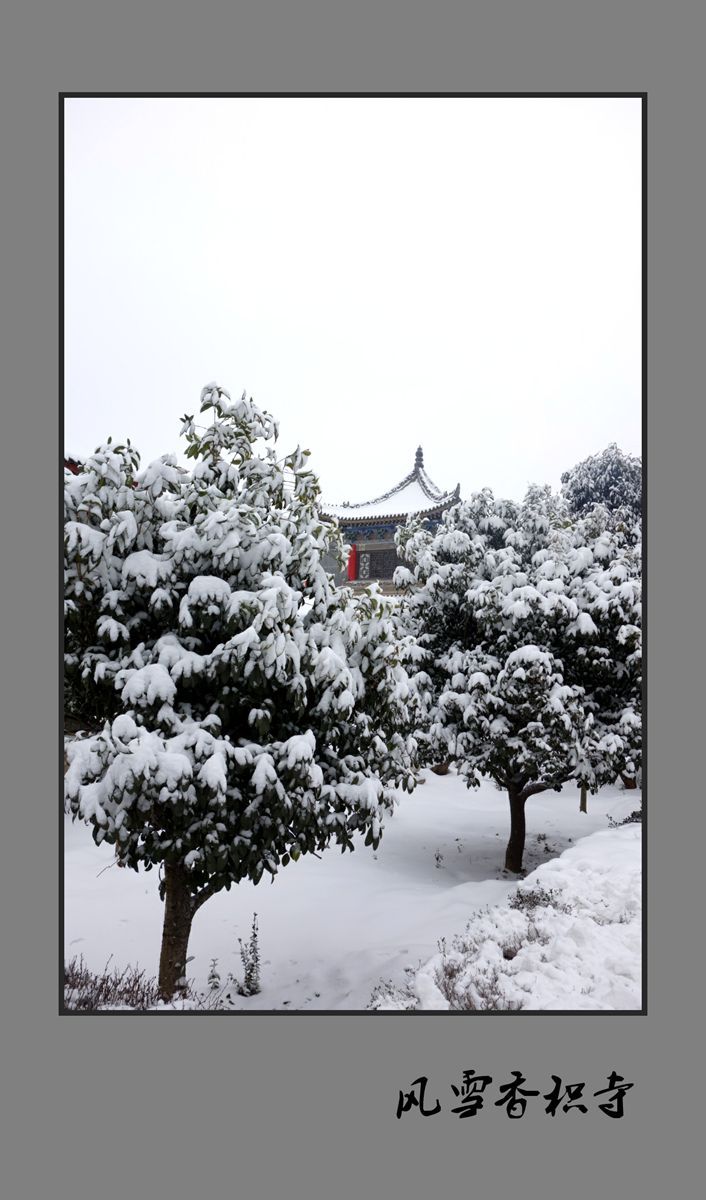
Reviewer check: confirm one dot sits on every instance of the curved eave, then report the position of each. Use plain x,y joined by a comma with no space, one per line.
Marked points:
390,518
426,489
425,485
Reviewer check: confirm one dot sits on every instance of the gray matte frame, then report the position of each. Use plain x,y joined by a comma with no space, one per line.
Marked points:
118,1107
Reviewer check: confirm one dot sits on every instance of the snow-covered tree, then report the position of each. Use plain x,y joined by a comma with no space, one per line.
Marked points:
612,479
604,650
249,711
531,627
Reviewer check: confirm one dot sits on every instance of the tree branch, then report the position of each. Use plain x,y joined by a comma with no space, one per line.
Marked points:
201,897
533,789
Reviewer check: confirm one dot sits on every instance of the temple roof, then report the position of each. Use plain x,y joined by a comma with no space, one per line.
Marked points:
414,495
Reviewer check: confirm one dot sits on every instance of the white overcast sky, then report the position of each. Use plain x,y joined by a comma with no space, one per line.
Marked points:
377,273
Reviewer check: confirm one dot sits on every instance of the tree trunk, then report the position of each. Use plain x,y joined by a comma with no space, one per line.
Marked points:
178,915
583,807
516,845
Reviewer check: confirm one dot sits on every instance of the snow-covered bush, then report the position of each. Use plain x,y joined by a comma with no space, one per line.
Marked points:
114,988
531,628
569,938
250,958
249,711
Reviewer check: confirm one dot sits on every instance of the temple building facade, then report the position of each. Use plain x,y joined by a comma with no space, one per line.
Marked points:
369,528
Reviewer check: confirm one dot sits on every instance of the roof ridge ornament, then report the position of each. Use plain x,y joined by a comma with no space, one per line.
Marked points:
419,458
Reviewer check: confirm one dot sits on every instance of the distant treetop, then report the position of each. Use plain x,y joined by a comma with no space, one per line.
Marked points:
611,478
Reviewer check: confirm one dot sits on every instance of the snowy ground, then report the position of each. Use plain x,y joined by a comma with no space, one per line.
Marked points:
331,929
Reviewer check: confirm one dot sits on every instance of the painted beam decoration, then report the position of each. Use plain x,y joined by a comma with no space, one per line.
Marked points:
369,527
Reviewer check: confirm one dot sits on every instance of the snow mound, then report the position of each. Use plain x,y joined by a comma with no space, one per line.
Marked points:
569,937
